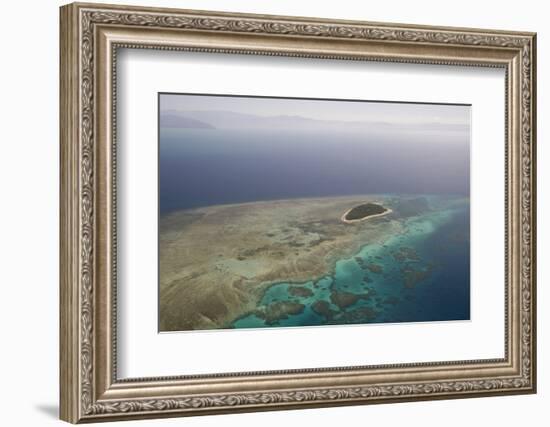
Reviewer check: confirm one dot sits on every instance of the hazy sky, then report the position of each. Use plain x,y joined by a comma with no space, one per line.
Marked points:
391,113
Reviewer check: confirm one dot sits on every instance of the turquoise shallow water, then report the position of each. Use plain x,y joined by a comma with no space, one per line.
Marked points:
419,275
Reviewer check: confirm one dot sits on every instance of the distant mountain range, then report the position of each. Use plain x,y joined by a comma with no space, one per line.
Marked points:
179,121
222,119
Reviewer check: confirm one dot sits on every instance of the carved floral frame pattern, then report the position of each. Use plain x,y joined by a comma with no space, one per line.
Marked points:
84,406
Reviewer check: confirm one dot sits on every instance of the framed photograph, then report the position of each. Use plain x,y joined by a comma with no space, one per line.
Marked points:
266,212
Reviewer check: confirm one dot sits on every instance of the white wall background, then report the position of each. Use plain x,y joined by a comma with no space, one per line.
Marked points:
29,170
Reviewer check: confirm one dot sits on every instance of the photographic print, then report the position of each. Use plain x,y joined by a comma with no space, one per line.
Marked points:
285,212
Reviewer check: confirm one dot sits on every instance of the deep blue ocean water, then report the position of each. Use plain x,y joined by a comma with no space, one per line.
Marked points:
202,167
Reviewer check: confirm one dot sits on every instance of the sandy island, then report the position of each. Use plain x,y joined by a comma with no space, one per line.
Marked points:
353,221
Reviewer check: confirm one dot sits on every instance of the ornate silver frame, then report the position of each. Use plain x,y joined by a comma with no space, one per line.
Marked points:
90,36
